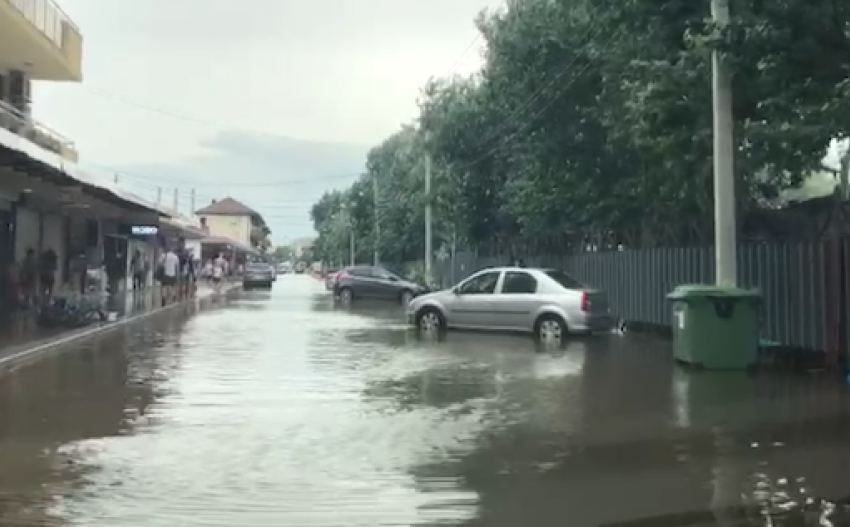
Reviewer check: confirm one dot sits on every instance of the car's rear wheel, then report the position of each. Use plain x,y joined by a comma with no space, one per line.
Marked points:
405,297
346,295
551,328
430,320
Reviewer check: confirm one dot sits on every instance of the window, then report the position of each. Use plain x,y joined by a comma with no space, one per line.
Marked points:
518,283
483,284
566,281
382,274
362,272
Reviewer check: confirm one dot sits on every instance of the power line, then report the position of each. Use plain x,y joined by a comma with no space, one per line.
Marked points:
507,139
463,55
165,180
167,112
589,34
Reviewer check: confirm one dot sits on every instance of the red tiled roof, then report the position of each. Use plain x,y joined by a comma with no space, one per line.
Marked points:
227,207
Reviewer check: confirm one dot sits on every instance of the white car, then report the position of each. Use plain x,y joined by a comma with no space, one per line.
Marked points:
547,303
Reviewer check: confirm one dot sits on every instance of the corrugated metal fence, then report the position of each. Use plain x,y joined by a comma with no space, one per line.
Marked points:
802,283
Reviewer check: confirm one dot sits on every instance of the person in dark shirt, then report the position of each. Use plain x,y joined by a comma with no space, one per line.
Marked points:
187,272
48,265
28,277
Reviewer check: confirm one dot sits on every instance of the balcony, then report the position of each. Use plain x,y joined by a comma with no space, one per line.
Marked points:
17,123
37,37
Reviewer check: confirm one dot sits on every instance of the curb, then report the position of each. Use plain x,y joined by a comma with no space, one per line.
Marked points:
35,351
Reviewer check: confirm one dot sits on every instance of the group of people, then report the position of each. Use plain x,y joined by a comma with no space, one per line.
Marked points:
31,281
34,277
178,273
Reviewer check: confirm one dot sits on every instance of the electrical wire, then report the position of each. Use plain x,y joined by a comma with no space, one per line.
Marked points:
505,141
561,72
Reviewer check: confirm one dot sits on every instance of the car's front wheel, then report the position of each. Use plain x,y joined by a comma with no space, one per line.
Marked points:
430,320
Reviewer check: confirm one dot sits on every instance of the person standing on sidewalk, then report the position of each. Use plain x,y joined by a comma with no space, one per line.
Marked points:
47,266
218,271
188,274
28,279
137,267
170,266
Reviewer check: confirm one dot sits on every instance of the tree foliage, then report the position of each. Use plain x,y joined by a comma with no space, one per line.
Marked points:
594,118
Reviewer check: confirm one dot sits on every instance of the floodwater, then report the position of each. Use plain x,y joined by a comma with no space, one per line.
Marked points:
276,409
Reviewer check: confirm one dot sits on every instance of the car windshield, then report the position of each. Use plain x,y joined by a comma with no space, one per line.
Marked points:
566,281
385,272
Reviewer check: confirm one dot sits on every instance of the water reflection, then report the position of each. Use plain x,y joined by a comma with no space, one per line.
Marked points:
56,412
283,410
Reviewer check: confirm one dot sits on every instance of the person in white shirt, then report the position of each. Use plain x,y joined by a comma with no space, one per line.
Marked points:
218,271
170,267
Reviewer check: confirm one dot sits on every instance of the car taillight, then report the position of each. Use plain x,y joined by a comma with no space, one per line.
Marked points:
338,275
585,302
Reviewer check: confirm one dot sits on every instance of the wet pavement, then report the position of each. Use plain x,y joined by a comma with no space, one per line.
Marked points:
279,409
23,332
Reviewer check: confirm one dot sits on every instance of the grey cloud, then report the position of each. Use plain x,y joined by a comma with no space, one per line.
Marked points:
303,25
279,177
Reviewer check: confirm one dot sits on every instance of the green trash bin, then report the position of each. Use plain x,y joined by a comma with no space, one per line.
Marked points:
715,327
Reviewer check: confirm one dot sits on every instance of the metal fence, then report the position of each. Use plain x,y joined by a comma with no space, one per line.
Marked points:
802,283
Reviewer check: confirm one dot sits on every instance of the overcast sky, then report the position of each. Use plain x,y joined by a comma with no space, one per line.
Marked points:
232,97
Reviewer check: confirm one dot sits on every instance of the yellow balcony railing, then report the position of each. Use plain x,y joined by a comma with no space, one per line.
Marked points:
14,121
48,18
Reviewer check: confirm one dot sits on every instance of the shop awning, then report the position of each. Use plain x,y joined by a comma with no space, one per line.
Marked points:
20,154
222,240
183,228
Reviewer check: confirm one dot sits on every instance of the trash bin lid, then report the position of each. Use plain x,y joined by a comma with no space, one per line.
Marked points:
686,291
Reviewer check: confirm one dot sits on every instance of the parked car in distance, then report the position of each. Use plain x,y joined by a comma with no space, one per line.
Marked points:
362,282
330,279
284,268
258,275
547,303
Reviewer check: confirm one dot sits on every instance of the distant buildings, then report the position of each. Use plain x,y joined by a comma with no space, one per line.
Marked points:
302,247
228,218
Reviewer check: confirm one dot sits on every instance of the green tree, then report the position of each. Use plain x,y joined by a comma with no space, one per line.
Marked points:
282,253
594,119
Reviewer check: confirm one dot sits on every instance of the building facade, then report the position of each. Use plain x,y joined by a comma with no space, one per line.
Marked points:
48,206
38,41
228,218
303,247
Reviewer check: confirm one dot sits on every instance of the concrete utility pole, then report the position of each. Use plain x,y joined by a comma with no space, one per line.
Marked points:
115,178
192,202
844,174
428,240
176,199
725,222
376,199
159,195
351,250
346,219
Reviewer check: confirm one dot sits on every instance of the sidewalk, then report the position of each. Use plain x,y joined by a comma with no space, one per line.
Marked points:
25,340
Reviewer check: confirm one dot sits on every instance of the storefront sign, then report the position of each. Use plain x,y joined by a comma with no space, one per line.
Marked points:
144,230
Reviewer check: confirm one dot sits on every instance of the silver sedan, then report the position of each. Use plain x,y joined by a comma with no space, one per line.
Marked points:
547,303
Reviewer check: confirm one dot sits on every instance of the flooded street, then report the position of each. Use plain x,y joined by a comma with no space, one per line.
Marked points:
277,409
